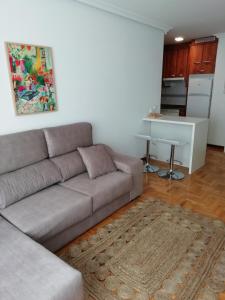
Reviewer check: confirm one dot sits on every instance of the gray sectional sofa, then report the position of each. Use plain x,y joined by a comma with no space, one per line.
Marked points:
46,200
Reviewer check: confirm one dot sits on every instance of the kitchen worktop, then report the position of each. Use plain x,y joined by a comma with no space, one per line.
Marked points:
172,106
192,132
172,109
177,120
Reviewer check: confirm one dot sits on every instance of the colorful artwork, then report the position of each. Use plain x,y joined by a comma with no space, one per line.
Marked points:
31,69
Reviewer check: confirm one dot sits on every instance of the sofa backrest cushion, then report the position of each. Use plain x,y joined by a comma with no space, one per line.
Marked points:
21,149
70,165
64,139
16,185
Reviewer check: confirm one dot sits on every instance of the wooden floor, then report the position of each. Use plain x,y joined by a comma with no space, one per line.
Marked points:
203,191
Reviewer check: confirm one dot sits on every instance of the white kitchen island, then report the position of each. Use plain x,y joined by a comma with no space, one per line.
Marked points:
192,132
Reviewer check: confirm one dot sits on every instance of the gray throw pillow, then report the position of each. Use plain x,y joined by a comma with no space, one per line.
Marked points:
97,160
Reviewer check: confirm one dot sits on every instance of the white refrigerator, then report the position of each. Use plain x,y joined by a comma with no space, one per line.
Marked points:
199,96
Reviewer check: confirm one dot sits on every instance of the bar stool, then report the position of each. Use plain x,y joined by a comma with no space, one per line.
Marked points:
149,168
171,173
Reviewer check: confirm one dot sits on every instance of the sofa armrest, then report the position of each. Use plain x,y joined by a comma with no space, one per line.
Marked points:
129,165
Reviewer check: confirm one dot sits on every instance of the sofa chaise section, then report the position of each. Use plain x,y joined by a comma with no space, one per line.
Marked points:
29,272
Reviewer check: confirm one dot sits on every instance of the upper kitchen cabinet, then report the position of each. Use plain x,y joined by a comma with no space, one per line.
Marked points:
175,61
202,57
182,60
195,58
169,62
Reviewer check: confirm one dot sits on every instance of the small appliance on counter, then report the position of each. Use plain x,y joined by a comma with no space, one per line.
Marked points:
199,95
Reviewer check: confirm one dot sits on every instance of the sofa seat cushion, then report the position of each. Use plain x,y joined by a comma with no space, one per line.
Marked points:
29,271
103,189
48,212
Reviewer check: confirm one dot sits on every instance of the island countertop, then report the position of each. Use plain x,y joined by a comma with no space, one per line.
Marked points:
176,120
188,130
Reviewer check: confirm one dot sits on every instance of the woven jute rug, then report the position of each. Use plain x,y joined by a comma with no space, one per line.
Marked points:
154,251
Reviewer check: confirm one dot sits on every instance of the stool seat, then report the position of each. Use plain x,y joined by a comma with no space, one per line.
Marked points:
149,168
171,173
144,137
170,142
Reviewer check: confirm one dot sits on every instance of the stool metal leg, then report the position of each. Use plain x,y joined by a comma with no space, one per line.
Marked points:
171,173
148,167
172,152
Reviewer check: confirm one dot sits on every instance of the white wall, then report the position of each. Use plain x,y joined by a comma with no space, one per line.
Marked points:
107,68
217,117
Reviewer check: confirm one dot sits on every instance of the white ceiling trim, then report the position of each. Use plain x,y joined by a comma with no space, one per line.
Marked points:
126,14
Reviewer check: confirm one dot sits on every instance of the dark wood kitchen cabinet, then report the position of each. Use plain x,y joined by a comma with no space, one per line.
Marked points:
169,62
202,57
182,61
175,62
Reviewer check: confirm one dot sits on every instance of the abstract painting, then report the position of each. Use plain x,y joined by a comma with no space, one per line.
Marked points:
32,76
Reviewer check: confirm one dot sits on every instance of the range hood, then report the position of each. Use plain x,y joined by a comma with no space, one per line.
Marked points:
174,79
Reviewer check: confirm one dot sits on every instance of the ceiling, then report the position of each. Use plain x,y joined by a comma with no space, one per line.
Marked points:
188,18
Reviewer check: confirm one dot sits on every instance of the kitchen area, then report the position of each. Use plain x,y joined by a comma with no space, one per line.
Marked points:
188,74
187,114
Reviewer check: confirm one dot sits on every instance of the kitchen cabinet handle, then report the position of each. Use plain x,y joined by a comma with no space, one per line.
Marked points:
206,61
173,75
197,62
202,70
